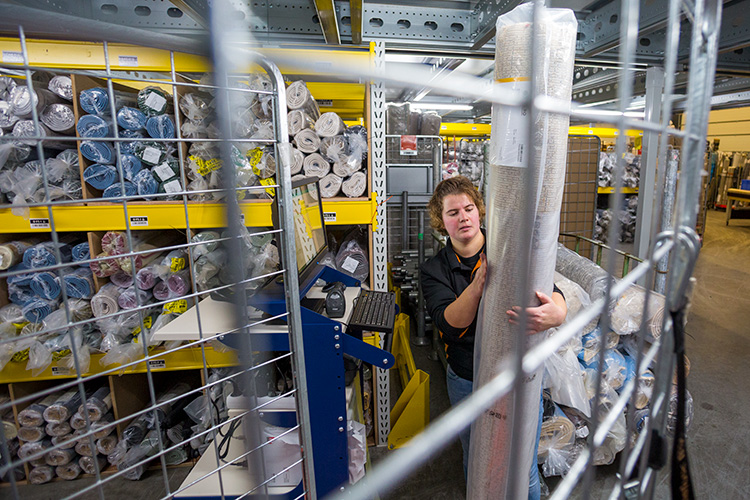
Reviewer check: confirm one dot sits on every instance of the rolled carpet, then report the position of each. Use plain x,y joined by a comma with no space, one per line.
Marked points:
355,185
59,118
154,101
116,191
298,158
104,302
41,474
20,294
62,86
333,148
122,279
298,95
58,429
38,309
329,124
167,170
151,153
11,253
106,445
7,117
307,141
127,299
558,433
100,176
43,255
81,252
33,415
161,291
25,128
128,147
114,242
21,100
79,284
104,266
63,407
31,434
330,185
145,279
95,101
90,465
131,165
56,457
64,442
46,285
298,120
179,283
93,126
131,118
98,151
160,127
315,165
347,166
68,471
145,183
194,107
97,405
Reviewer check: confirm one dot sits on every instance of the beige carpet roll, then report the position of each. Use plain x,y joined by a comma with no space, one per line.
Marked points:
56,457
558,432
330,185
297,95
68,471
31,434
333,148
307,141
298,158
545,153
42,474
329,124
104,302
90,465
347,166
316,166
298,120
355,186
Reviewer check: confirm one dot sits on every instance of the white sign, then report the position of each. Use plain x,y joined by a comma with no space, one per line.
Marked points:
157,364
139,220
11,56
324,103
131,61
329,216
39,223
60,371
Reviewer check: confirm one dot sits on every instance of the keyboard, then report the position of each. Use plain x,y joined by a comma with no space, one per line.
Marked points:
373,311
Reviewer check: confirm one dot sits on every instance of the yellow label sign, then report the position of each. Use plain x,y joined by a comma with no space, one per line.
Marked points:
147,322
58,355
176,307
178,264
206,166
269,182
254,156
21,356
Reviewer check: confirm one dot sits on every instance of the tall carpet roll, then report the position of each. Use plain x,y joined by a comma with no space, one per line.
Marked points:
491,433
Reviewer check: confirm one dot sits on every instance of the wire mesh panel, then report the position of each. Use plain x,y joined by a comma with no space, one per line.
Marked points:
579,196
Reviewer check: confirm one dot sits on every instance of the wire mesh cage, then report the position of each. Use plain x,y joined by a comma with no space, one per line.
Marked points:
86,150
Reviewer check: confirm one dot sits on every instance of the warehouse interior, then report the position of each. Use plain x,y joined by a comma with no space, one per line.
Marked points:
203,338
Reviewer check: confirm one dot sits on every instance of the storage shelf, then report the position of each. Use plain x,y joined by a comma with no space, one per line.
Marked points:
610,190
104,217
189,358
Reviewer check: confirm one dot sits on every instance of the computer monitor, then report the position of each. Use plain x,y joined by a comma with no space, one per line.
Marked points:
309,226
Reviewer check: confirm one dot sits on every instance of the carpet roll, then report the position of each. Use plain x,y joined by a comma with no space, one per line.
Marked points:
131,119
330,185
329,124
59,118
106,445
90,465
77,421
151,153
131,165
22,101
298,120
194,106
558,433
104,302
298,158
25,128
161,127
127,298
146,277
116,191
98,151
161,291
114,242
153,101
38,309
31,434
168,169
46,285
62,86
355,186
57,457
79,284
316,166
7,117
179,282
104,266
65,442
33,415
41,475
100,176
93,126
20,294
63,407
333,148
69,471
104,426
98,404
122,279
145,183
307,141
11,253
95,101
80,252
345,167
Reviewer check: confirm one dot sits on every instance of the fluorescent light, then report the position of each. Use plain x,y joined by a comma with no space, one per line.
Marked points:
427,105
608,112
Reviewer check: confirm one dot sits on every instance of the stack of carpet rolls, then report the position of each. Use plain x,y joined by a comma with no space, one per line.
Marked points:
9,452
148,161
325,147
571,372
59,435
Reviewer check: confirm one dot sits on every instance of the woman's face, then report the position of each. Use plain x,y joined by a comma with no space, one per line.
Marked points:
460,217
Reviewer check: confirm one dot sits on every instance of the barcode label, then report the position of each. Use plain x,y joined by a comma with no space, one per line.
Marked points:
131,61
324,103
11,56
39,223
329,216
157,364
60,371
139,220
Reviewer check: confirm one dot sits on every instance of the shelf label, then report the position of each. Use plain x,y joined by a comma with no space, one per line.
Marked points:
39,223
157,364
329,216
60,371
139,220
11,56
131,61
408,145
324,103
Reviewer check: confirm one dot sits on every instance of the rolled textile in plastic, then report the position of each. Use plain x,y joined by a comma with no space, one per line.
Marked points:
581,270
298,158
98,152
90,465
69,189
127,298
93,126
176,456
356,142
171,187
69,471
131,166
25,128
7,117
136,431
430,124
104,426
114,242
77,421
33,415
161,291
65,442
116,191
298,96
151,153
100,176
131,118
615,369
194,106
80,252
122,279
591,344
38,309
329,124
7,84
645,390
21,100
106,445
208,243
46,285
316,166
555,29
62,86
396,118
56,456
145,183
345,168
165,405
79,284
413,122
11,313
145,279
41,475
104,302
11,253
151,242
558,433
627,313
128,147
28,450
98,404
297,120
166,170
355,185
330,185
104,266
31,434
352,260
20,295
179,283
58,429
153,101
307,141
95,101
80,309
161,127
333,148
576,300
59,118
63,166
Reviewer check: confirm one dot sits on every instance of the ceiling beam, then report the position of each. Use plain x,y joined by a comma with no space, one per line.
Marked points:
327,16
355,14
484,18
198,11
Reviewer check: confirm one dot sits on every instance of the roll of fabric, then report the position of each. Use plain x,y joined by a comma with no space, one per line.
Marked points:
161,291
555,29
104,265
330,185
298,96
179,283
90,465
558,433
57,457
41,475
645,390
31,434
77,421
153,101
150,241
25,128
79,284
33,415
345,167
7,117
298,158
128,147
131,165
22,279
115,190
20,295
64,442
316,166
38,309
11,253
151,153
68,471
21,100
59,118
62,86
146,277
194,106
80,309
104,426
28,450
333,148
161,127
355,185
104,302
307,141
329,124
145,183
165,406
135,432
298,120
122,279
100,176
63,407
93,126
106,445
80,252
98,151
114,242
46,285
131,118
98,404
127,299
172,187
95,101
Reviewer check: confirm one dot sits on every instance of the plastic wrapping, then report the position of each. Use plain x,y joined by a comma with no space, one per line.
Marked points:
352,260
46,285
430,124
27,450
7,117
298,97
100,176
93,126
131,118
21,100
104,302
556,443
62,86
98,151
68,471
98,404
57,457
194,106
11,253
645,390
576,300
396,118
168,169
127,298
136,431
103,266
63,407
627,313
151,153
31,434
77,421
297,120
161,127
615,369
329,124
590,343
154,101
106,445
41,475
581,270
564,378
59,429
333,148
95,101
307,141
59,118
148,447
38,309
164,405
330,185
355,186
315,165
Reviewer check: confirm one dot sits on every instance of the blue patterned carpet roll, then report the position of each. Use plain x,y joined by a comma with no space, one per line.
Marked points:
79,284
128,147
20,279
131,165
100,176
131,118
145,182
115,190
20,294
46,285
98,151
38,309
160,127
94,101
43,255
92,126
81,252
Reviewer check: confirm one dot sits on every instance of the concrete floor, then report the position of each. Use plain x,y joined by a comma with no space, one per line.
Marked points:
718,346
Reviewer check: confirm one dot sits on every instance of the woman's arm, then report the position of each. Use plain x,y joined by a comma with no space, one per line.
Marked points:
550,314
461,313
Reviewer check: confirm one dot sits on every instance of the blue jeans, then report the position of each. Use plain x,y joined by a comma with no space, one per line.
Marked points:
458,389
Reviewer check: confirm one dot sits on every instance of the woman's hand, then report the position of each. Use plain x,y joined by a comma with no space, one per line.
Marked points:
551,313
477,284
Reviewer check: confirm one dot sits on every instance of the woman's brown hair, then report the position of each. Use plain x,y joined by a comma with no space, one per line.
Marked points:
454,185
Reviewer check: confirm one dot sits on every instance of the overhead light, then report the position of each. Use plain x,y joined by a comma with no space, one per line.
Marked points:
421,94
427,105
608,112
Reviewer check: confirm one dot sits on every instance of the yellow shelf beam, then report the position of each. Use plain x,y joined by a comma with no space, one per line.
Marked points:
185,359
478,129
610,190
603,132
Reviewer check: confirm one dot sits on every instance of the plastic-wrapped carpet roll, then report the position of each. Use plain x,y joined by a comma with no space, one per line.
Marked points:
90,465
329,124
161,127
59,118
98,404
29,449
93,126
146,277
77,421
352,259
58,429
98,152
194,106
489,462
171,187
62,86
31,434
100,176
122,279
79,284
615,369
145,183
11,253
345,168
208,243
127,298
136,431
161,291
80,252
396,118
179,283
33,415
194,130
355,185
297,120
20,295
80,309
356,141
106,445
316,166
151,242
168,169
116,191
151,153
104,426
7,84
298,158
558,432
21,100
63,166
131,118
307,141
298,96
38,309
104,302
56,457
46,285
153,101
430,124
131,165
333,148
627,313
65,442
25,128
68,471
114,242
41,475
95,101
330,185
7,117
104,266
164,407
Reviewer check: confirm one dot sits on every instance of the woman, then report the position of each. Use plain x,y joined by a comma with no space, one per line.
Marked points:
452,284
